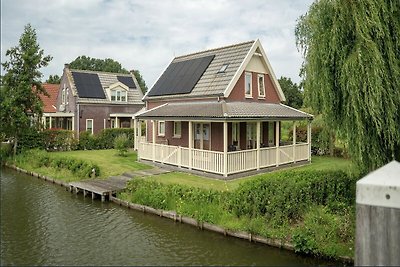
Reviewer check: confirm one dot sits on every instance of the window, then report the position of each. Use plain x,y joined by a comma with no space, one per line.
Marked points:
89,125
123,96
67,96
261,86
271,133
223,68
63,95
161,128
235,133
177,129
247,84
119,95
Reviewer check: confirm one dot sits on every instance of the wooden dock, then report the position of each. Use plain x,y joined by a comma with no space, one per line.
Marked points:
105,188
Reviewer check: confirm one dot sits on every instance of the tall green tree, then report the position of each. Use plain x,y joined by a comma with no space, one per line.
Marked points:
293,94
351,73
108,65
54,79
21,86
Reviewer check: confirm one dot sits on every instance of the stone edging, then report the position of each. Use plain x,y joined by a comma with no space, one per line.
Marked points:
182,219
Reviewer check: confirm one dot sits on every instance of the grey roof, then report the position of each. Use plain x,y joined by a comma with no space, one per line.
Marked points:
223,110
107,79
212,82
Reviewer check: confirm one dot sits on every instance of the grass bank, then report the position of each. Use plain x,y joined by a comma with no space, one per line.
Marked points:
77,165
312,207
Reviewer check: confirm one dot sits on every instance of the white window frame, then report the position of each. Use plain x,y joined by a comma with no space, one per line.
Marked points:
248,74
160,133
263,83
66,95
87,125
63,95
118,95
176,133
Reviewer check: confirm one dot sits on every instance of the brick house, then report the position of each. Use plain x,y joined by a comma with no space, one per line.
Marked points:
98,100
220,111
51,117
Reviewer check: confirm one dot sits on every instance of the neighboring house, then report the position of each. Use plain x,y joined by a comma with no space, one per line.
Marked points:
99,100
51,118
220,111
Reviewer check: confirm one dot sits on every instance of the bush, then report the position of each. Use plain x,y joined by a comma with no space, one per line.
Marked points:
59,140
288,194
121,143
5,151
107,136
82,168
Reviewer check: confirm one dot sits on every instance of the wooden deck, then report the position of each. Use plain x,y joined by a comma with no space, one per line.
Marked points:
105,188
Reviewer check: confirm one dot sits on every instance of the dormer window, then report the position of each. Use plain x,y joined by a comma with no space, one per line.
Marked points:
118,95
248,84
223,68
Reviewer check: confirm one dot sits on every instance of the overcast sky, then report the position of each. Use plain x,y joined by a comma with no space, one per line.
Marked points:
146,35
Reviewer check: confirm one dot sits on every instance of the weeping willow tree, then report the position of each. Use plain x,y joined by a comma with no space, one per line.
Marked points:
351,73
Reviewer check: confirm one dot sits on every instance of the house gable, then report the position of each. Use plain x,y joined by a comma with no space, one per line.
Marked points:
252,64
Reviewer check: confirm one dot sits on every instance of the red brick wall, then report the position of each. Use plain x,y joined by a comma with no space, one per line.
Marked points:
99,112
238,94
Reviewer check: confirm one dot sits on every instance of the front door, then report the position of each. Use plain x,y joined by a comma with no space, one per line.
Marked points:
202,136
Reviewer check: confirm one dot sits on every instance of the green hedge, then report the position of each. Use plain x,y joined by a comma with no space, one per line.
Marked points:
59,140
104,139
288,194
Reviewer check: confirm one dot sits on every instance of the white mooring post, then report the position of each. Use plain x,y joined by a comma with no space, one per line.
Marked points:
378,217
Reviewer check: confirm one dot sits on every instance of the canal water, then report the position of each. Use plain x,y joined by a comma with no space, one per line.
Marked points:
43,224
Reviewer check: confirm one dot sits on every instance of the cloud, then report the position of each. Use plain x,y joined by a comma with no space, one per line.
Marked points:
146,35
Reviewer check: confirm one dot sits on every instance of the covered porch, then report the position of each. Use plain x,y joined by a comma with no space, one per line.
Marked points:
225,144
58,120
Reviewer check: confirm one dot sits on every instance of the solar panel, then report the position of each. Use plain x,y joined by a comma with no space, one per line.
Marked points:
88,85
128,81
181,77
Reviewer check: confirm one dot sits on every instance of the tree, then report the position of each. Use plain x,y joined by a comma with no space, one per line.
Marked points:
351,73
54,79
108,65
21,86
294,96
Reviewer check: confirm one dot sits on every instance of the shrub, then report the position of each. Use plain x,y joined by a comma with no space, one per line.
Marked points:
288,194
107,136
88,141
121,143
59,140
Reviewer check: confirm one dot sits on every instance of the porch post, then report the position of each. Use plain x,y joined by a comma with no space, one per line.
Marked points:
294,141
154,140
225,149
258,144
50,122
134,134
277,142
139,137
309,139
190,140
73,123
116,122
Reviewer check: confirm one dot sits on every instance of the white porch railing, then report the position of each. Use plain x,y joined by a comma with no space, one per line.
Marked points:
213,161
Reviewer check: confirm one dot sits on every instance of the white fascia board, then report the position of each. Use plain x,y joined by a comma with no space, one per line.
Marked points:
271,71
381,187
239,71
118,84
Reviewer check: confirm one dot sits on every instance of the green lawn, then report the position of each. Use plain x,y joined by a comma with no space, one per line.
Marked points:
108,160
318,163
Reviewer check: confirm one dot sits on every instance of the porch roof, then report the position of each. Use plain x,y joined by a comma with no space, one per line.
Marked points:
223,111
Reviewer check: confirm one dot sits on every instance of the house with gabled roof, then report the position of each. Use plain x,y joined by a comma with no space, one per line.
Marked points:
220,111
99,100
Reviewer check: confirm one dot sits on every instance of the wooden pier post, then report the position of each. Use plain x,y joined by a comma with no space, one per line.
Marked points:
103,198
378,217
93,195
84,193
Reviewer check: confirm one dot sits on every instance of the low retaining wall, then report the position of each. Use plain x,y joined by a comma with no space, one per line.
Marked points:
203,225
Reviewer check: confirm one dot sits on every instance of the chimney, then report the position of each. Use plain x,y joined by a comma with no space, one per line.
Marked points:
132,71
66,66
